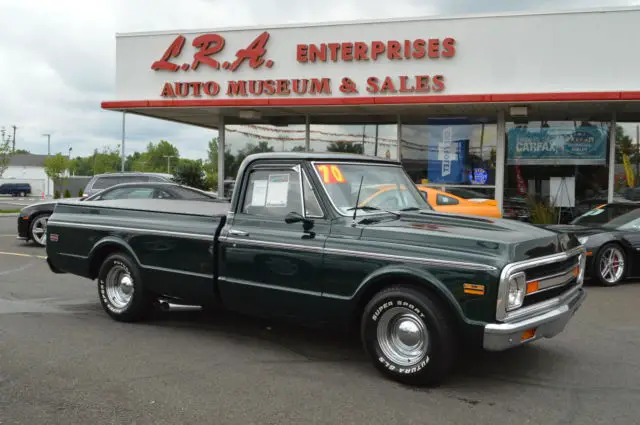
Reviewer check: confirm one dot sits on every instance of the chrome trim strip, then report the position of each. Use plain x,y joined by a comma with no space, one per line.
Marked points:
509,269
199,236
178,271
267,286
377,256
309,248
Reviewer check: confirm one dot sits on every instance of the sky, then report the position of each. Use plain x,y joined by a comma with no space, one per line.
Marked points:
59,58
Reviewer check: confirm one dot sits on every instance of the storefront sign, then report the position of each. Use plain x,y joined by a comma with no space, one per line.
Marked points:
585,145
209,49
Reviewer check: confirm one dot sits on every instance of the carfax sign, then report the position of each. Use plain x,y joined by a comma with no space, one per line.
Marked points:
584,145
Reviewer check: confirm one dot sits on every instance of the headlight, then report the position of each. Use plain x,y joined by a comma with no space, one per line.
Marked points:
516,290
583,240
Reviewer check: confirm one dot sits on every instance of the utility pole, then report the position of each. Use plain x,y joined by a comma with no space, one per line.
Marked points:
169,162
14,138
123,133
48,136
637,154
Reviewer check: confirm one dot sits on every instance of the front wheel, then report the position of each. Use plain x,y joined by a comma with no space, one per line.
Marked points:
121,291
610,264
409,336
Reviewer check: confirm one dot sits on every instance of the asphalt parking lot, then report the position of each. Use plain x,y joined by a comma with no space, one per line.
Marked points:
9,203
62,360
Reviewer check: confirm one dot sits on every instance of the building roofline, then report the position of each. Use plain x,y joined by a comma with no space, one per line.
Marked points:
617,9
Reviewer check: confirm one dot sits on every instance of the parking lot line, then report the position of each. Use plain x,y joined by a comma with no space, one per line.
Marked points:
20,254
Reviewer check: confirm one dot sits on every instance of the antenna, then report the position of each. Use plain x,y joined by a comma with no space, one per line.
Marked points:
355,210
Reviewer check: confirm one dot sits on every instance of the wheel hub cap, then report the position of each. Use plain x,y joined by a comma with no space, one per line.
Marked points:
612,265
403,336
119,287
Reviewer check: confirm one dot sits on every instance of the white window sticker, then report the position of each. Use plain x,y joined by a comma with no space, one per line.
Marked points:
277,190
259,194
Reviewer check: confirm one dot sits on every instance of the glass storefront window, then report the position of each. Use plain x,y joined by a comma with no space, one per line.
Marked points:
454,155
243,140
555,170
626,184
369,139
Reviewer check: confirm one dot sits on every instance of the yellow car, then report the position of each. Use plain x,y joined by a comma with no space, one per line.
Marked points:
440,201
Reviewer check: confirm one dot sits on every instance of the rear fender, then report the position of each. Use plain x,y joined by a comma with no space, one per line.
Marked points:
105,243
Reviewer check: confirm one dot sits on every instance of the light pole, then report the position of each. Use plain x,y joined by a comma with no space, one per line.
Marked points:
14,138
169,162
48,136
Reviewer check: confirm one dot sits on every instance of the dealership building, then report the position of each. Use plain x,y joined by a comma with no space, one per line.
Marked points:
509,105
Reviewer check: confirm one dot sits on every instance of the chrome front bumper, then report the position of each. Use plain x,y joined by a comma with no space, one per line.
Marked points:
547,322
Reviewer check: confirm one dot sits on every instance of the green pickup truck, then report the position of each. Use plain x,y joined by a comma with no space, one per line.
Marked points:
297,242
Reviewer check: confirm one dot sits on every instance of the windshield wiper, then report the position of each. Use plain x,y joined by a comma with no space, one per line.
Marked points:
411,209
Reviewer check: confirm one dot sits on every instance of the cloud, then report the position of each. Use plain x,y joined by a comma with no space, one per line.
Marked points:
59,58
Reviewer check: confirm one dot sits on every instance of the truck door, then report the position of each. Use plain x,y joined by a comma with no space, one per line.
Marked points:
271,259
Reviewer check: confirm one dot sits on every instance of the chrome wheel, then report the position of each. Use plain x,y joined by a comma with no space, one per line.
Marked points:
403,336
612,264
119,287
39,229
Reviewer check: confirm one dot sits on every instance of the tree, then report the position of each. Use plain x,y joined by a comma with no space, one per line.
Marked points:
211,167
347,147
249,149
55,166
5,155
624,144
190,172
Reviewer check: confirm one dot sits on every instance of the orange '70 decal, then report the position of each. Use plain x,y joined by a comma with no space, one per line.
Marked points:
330,174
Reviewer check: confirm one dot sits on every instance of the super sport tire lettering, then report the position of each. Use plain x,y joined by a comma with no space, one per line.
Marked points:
438,359
142,301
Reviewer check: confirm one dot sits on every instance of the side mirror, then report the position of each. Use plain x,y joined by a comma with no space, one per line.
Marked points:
293,217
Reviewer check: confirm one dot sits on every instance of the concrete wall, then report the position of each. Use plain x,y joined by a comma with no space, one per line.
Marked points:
74,184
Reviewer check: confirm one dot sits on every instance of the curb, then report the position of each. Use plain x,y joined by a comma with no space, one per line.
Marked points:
9,214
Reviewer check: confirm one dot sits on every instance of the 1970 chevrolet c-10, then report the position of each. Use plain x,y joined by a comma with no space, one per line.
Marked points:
418,284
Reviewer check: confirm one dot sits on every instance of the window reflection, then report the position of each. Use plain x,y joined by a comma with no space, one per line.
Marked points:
555,170
451,154
627,164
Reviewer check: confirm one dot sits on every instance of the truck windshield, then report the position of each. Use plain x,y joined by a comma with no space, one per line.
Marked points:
384,187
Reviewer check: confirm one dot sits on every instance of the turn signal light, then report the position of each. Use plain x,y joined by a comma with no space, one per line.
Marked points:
576,271
528,334
532,287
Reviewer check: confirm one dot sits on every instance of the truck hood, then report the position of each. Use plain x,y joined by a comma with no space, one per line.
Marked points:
485,240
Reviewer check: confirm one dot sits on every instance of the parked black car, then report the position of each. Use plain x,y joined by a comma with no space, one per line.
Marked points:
32,220
15,189
611,236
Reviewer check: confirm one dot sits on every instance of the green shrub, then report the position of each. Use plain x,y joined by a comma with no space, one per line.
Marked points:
67,193
80,193
56,194
542,212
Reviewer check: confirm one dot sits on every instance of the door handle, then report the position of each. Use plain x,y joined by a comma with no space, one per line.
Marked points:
233,232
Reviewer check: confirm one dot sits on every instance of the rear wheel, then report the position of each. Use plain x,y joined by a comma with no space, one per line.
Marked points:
409,336
121,291
610,264
38,229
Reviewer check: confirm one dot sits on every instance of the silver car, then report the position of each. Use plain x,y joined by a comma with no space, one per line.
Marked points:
100,182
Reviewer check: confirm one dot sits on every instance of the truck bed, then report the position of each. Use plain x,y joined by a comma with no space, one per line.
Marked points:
172,241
